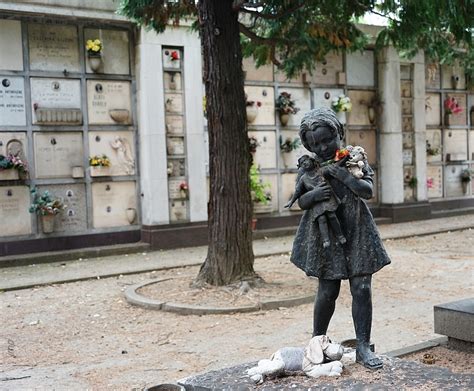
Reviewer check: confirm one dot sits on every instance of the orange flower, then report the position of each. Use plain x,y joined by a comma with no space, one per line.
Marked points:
341,154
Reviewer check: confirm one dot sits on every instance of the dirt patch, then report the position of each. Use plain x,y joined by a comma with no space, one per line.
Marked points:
456,361
281,281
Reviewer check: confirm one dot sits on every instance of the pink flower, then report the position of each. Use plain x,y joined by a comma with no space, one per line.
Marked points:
451,106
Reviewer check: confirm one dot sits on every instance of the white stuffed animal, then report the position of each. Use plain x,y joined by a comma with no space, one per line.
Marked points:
356,159
319,358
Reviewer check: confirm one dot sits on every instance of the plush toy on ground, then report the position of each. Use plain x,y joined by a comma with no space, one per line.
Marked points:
320,358
356,159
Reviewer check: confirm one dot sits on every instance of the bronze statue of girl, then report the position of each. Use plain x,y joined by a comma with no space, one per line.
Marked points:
362,255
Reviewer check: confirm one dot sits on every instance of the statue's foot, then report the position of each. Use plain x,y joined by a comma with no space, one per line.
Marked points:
367,358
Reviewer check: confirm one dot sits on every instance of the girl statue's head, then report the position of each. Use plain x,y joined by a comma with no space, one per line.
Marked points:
321,133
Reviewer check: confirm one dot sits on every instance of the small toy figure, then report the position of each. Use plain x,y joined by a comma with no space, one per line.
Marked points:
308,179
355,163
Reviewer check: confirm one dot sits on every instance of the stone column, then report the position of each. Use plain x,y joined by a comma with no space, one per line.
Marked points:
391,159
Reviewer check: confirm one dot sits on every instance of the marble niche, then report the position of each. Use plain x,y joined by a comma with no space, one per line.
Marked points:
266,112
119,147
11,43
114,204
265,156
12,101
109,102
14,204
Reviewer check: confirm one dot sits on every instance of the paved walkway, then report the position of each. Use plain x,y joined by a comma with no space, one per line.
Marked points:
81,269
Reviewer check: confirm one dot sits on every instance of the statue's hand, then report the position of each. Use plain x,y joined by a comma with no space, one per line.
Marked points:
321,192
338,172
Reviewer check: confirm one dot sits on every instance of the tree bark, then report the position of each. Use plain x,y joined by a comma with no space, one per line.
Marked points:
230,255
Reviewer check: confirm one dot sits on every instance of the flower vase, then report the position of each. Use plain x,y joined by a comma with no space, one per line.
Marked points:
455,82
47,222
447,118
99,171
183,193
131,215
284,118
371,114
251,112
341,116
95,62
287,159
10,174
465,187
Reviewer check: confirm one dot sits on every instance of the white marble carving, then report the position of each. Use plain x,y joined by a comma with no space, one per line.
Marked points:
119,147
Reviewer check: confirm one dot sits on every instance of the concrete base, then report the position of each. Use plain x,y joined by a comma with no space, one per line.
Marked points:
399,213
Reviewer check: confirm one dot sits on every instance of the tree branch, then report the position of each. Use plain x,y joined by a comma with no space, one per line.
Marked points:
263,41
278,15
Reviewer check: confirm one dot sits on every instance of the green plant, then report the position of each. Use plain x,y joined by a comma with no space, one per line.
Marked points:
466,175
11,161
289,144
44,204
258,187
413,182
285,105
430,151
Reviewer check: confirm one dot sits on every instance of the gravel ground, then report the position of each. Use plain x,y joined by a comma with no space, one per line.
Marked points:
84,335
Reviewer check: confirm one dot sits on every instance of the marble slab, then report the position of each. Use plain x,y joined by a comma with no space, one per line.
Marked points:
74,217
302,98
366,139
407,106
452,177
173,103
322,97
360,113
53,47
460,118
57,153
175,146
119,147
265,95
174,125
115,50
265,156
407,157
433,109
174,190
471,145
12,101
172,81
434,181
326,72
297,79
406,88
361,68
14,215
110,201
179,210
407,140
55,96
11,43
408,192
454,145
433,138
406,72
14,144
252,73
288,182
176,167
272,190
432,76
450,71
106,100
289,160
407,123
168,61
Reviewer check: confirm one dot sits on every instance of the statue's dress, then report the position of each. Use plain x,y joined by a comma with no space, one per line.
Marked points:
363,253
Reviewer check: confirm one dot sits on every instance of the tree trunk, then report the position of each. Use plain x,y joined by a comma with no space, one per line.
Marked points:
230,254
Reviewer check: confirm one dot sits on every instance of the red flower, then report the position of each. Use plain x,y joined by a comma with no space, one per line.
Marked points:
341,154
174,55
183,186
451,106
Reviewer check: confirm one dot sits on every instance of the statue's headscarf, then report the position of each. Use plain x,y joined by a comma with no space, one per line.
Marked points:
320,117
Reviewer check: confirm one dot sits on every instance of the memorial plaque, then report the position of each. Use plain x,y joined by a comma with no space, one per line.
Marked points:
453,77
265,157
11,43
407,155
56,101
406,72
14,144
366,139
173,103
326,71
53,47
172,81
360,111
454,145
266,112
460,118
110,201
119,147
433,145
322,97
289,160
171,58
434,181
176,167
407,123
175,145
408,174
288,182
433,109
74,217
271,190
14,204
174,189
407,139
115,50
108,102
432,78
453,185
406,87
407,106
57,153
178,210
302,98
12,101
251,72
361,68
174,124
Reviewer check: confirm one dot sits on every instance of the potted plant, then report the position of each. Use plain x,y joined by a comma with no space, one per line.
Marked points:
288,146
285,106
47,207
11,167
259,192
431,151
251,109
183,189
94,49
341,105
466,177
451,107
99,165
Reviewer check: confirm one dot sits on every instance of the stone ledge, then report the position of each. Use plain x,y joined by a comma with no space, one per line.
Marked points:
455,319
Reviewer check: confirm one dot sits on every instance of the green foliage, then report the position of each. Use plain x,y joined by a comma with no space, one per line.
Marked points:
289,144
285,105
44,204
257,187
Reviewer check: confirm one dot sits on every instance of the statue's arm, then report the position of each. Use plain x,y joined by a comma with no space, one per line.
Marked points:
320,193
363,187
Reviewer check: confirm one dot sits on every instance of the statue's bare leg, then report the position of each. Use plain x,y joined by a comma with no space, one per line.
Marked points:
324,305
362,316
324,230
